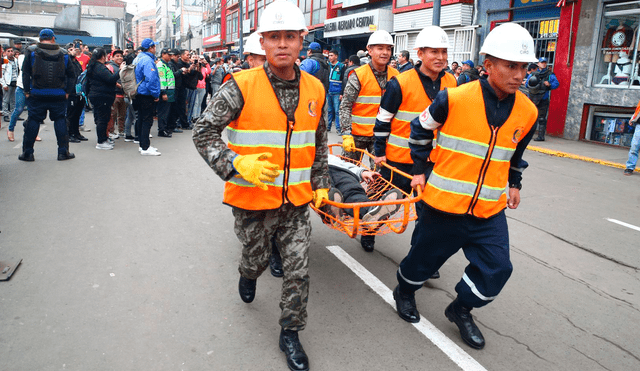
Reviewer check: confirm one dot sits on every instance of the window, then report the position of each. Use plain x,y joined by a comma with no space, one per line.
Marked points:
319,11
403,3
616,64
232,27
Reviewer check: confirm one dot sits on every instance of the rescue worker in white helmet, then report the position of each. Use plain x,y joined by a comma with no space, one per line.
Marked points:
362,94
405,97
483,129
253,50
275,163
361,100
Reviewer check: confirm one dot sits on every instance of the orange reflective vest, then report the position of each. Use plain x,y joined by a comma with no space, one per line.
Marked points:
263,127
414,101
636,114
365,109
472,159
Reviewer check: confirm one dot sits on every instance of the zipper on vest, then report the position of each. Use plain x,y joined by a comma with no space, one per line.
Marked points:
287,161
483,169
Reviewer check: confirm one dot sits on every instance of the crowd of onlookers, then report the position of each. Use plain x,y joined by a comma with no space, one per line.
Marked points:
188,80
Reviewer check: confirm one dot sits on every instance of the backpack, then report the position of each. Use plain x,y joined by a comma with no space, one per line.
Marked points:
128,80
82,86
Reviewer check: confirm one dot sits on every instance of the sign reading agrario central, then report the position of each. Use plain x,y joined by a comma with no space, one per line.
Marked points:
359,23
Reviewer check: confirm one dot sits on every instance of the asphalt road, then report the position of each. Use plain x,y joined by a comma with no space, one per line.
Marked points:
130,263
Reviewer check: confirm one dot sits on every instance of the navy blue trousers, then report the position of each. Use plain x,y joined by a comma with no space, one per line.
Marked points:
437,236
38,108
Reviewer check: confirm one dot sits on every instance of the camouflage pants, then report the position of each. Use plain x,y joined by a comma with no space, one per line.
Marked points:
365,143
292,229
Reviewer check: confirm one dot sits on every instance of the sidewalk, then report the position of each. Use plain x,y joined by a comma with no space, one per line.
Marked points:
584,151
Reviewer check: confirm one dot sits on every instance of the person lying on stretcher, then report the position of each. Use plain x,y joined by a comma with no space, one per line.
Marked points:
346,179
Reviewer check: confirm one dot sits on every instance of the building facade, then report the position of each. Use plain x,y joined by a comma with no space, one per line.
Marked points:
144,26
165,15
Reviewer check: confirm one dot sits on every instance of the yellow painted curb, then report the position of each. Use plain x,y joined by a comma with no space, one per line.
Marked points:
578,157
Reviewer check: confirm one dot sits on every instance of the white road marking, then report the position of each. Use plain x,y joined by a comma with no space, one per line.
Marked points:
451,349
624,224
17,146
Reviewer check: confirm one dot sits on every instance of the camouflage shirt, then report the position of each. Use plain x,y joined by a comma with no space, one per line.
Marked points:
351,92
226,106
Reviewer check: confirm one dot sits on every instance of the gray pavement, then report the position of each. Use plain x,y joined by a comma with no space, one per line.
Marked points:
130,263
592,150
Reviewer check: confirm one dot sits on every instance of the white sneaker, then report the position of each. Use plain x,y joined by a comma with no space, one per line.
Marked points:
113,136
150,148
150,136
85,128
104,145
150,152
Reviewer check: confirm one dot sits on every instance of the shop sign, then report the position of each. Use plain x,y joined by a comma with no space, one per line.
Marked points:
359,23
535,9
211,40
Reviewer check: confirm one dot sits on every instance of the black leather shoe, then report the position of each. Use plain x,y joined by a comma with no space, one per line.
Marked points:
435,275
296,357
65,156
538,139
275,262
164,134
368,243
247,289
461,316
73,139
406,306
26,157
178,130
82,137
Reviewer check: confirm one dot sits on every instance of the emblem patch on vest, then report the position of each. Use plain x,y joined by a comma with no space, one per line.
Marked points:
517,134
313,108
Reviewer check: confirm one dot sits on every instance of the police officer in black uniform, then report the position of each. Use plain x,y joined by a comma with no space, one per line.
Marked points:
47,76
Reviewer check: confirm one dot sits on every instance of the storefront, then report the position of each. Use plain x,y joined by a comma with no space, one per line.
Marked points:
350,33
605,84
456,18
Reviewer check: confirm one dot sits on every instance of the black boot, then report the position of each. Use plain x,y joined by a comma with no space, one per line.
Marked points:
461,316
275,260
296,357
26,157
368,242
73,139
247,289
406,306
65,156
541,131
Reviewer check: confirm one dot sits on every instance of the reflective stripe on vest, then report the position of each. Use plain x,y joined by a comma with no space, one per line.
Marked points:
414,101
275,139
365,108
471,168
262,126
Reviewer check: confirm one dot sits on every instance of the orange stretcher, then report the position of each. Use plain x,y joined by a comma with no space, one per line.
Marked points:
352,226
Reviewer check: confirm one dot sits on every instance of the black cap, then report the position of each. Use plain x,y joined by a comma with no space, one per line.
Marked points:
117,51
174,52
165,51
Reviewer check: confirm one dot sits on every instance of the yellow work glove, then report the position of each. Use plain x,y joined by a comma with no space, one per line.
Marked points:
319,195
348,144
255,169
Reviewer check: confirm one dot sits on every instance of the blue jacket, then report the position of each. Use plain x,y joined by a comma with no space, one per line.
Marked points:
147,72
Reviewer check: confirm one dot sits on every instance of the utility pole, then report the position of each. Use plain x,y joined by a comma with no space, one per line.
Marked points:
240,21
435,18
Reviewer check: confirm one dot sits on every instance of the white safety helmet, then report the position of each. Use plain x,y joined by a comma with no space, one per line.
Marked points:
510,42
282,15
253,45
380,37
432,37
